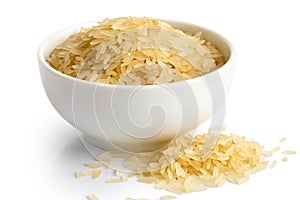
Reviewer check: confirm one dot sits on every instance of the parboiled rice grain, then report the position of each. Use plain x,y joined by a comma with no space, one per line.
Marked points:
284,159
167,197
93,165
289,152
92,197
78,174
273,163
97,174
275,149
282,139
115,180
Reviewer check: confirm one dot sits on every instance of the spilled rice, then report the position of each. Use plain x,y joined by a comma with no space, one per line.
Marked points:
181,167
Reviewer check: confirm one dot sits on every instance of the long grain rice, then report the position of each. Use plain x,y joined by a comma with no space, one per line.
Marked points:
94,165
187,170
183,167
273,163
167,197
121,50
289,152
275,149
282,139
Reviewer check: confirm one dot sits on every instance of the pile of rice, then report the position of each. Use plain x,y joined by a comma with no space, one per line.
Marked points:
135,51
182,167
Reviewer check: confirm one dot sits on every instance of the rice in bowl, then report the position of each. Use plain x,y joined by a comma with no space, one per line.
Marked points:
135,51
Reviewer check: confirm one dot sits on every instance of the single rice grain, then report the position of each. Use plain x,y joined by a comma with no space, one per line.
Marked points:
289,152
92,197
284,159
97,174
78,174
283,139
273,163
167,197
274,150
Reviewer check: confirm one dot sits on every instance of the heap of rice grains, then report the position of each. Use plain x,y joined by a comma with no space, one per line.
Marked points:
135,51
181,167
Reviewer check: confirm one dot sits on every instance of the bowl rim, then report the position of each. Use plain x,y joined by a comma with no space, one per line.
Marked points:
42,59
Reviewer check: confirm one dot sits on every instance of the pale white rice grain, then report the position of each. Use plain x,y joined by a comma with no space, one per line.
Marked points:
167,197
273,163
275,149
289,152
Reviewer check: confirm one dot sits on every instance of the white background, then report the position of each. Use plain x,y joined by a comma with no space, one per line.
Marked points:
40,152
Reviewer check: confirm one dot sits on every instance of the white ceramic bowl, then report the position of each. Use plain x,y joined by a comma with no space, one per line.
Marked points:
136,118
